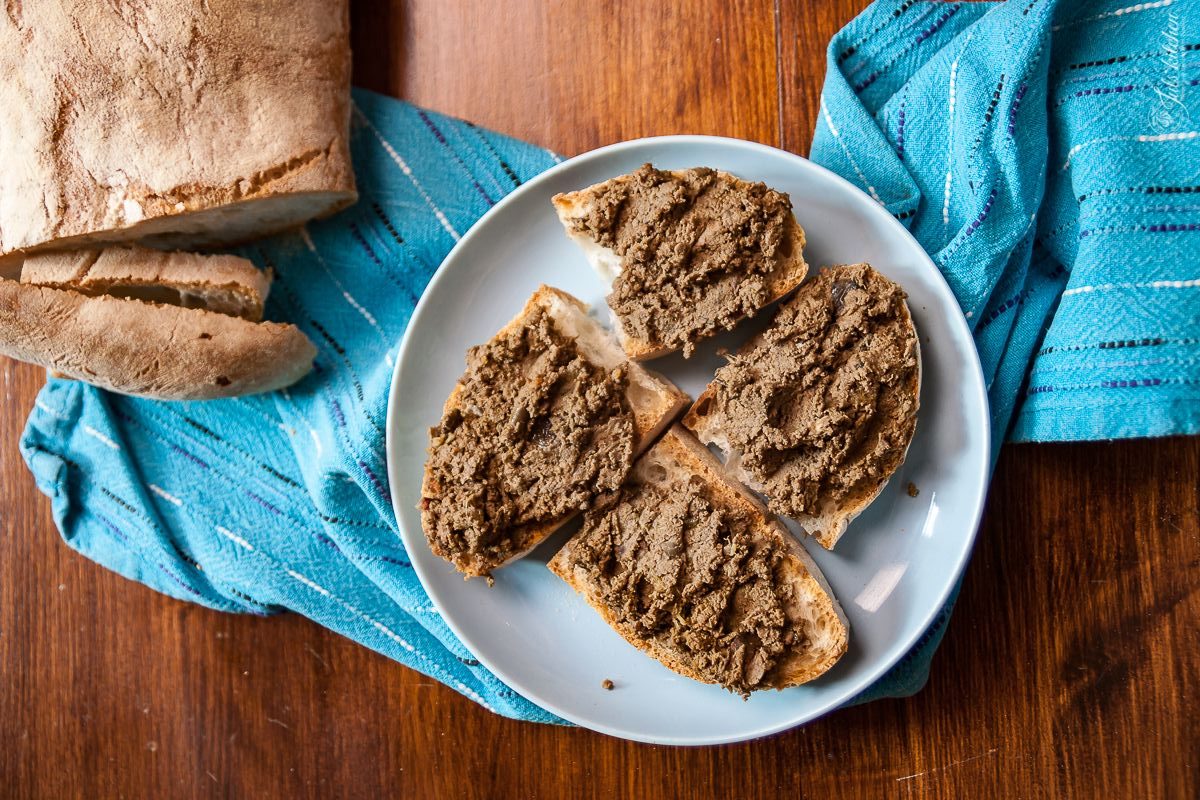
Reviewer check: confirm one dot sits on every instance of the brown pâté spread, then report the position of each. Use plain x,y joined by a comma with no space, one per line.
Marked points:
696,249
536,431
688,577
825,403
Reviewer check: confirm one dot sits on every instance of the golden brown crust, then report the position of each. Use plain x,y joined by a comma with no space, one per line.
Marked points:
693,420
149,349
178,121
678,451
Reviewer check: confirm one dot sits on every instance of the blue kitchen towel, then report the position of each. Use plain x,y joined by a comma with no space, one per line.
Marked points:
1047,156
962,120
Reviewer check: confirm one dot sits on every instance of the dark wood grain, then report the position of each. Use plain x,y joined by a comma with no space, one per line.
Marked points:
1069,669
575,75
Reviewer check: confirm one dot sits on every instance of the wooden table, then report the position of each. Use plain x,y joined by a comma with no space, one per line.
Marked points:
1070,667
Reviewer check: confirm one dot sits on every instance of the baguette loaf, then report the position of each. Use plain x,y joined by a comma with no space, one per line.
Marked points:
818,411
177,123
77,327
467,493
689,567
687,253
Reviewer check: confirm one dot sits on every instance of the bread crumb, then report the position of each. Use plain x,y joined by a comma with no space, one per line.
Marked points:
607,685
913,491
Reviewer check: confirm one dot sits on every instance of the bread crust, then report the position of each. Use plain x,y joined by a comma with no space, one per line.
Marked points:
176,122
654,401
149,349
788,275
225,284
816,608
829,526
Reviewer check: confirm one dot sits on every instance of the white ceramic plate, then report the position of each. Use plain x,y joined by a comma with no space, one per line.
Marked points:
891,571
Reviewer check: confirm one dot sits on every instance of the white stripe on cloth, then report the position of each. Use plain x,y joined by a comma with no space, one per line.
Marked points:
1119,12
165,495
1108,287
367,315
100,437
1144,137
47,409
407,170
833,129
233,537
950,129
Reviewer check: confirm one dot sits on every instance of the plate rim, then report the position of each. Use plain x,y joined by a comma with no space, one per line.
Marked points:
977,387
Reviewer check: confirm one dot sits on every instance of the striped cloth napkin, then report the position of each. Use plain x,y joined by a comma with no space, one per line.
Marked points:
1046,159
1047,156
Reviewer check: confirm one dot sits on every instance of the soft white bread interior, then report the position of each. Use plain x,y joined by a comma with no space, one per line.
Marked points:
222,283
174,123
572,206
820,626
834,515
653,401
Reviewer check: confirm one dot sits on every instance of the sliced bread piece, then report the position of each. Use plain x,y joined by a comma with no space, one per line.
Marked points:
689,567
148,349
222,283
548,414
687,253
818,411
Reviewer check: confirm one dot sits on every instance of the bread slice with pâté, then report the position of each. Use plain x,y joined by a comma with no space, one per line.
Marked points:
690,568
549,414
818,411
687,253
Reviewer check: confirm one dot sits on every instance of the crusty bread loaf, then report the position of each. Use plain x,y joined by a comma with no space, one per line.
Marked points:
178,123
812,610
222,283
571,206
94,328
653,400
834,516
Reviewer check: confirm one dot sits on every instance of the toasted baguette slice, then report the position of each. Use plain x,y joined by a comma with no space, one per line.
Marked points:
221,283
833,515
812,617
573,206
653,401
